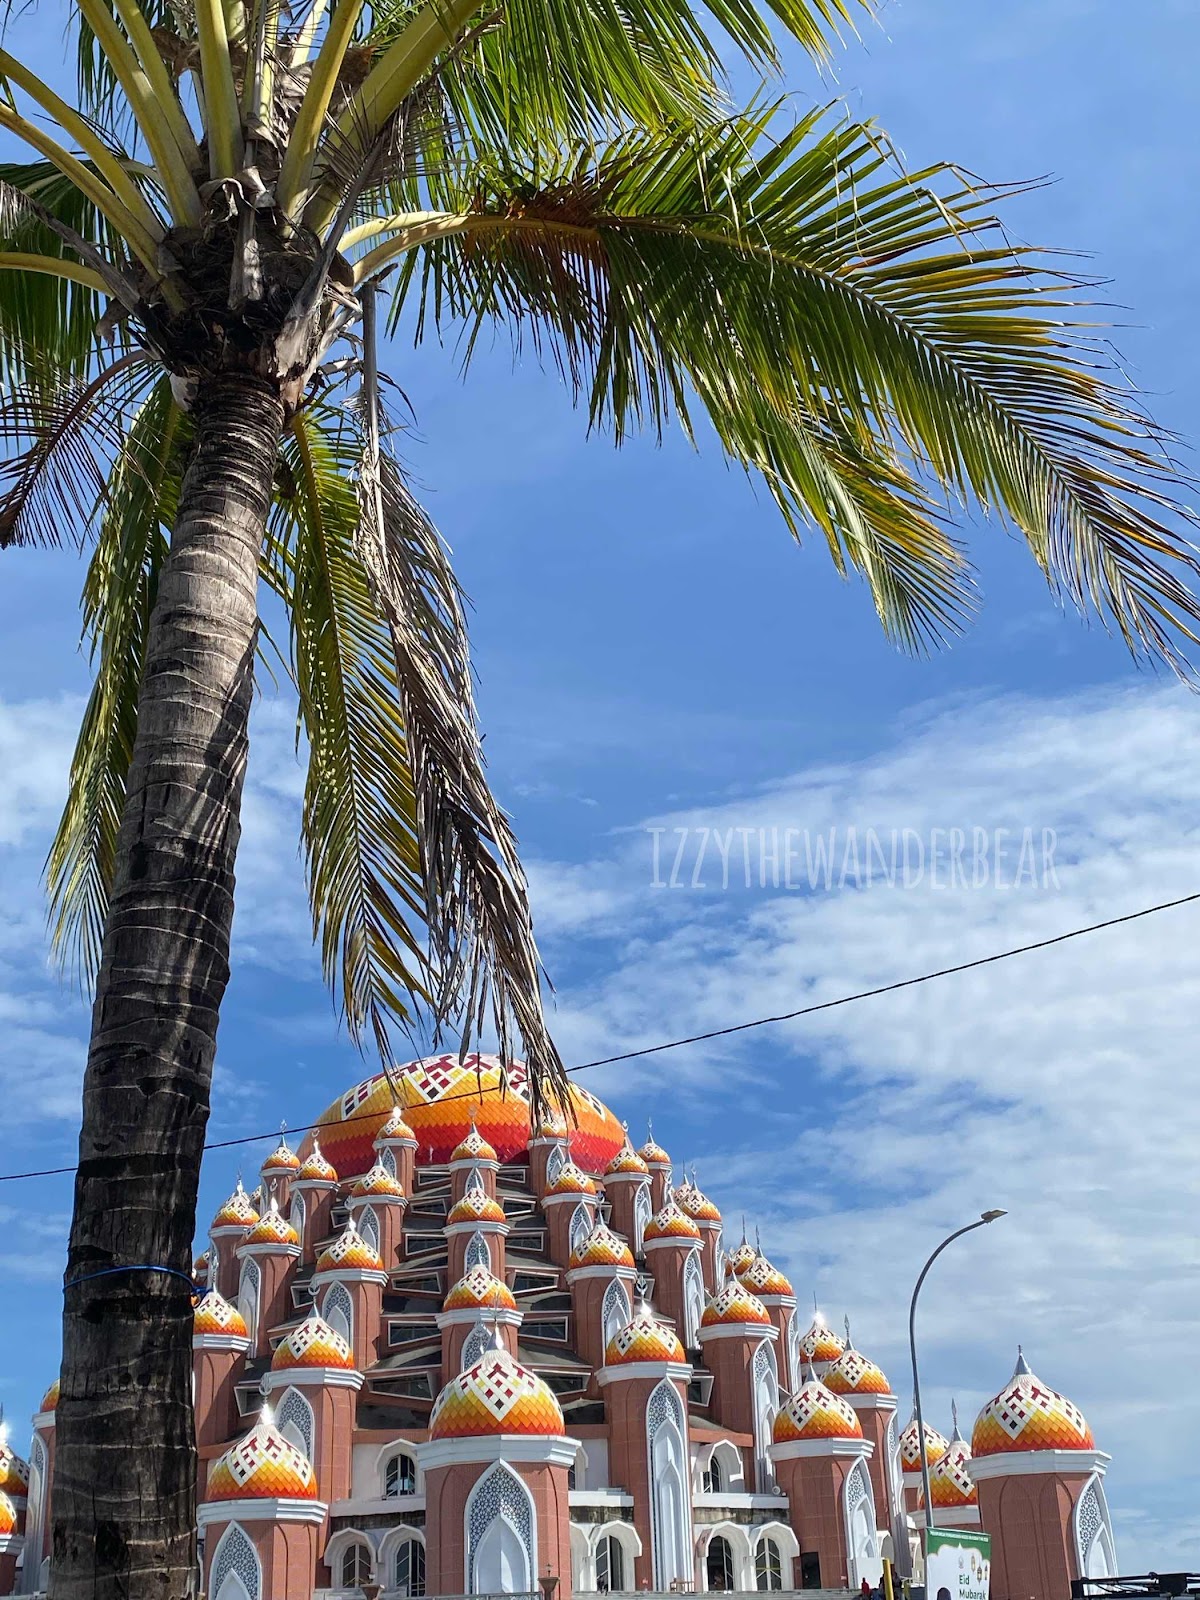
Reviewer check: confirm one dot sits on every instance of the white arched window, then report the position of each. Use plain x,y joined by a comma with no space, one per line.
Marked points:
766,1404
581,1226
354,1565
298,1213
1093,1533
248,1287
610,1566
388,1162
367,1224
294,1419
478,1252
859,1512
338,1311
399,1476
236,1571
615,1311
474,1183
693,1299
768,1565
501,1535
408,1567
641,1215
670,1508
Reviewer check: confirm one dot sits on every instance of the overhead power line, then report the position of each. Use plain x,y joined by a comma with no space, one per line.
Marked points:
726,1032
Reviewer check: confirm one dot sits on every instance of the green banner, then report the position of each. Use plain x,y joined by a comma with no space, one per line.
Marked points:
958,1564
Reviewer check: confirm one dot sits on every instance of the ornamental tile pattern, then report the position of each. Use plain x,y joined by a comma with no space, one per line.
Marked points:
910,1455
950,1482
14,1473
262,1466
602,1248
214,1314
813,1412
473,1148
50,1398
378,1181
349,1251
670,1223
479,1287
476,1206
313,1344
741,1259
317,1167
760,1277
852,1373
439,1093
820,1343
272,1228
282,1159
734,1304
644,1339
8,1515
496,1395
570,1180
237,1210
626,1160
1028,1415
697,1205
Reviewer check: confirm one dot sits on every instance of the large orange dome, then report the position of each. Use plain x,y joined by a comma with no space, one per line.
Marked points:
438,1096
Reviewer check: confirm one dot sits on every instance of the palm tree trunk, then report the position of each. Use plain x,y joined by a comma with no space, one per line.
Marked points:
125,1469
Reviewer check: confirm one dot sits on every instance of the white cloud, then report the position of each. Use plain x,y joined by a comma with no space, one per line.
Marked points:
1054,1084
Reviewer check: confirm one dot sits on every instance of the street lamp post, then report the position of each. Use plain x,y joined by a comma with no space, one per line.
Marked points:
985,1218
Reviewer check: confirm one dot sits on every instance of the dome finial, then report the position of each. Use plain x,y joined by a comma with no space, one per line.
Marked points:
955,1437
757,1240
846,1325
816,1307
1022,1367
743,1227
497,1342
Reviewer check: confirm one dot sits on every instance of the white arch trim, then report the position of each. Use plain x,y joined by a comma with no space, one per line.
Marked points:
235,1558
395,1447
390,1543
501,1538
336,1549
733,1466
1092,1526
738,1539
583,1571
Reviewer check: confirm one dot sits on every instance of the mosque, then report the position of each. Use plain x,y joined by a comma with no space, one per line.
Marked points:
444,1351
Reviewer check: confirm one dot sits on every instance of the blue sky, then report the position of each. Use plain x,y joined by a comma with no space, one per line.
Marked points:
654,652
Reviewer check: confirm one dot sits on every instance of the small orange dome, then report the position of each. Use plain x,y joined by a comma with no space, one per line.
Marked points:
550,1125
698,1206
760,1277
601,1248
950,1483
1028,1415
644,1338
734,1305
315,1168
910,1450
813,1412
282,1159
741,1259
670,1223
474,1147
350,1252
272,1228
820,1343
480,1289
626,1160
8,1515
497,1395
378,1181
214,1314
50,1398
852,1373
262,1466
476,1206
395,1128
237,1212
571,1180
313,1343
652,1153
201,1265
14,1473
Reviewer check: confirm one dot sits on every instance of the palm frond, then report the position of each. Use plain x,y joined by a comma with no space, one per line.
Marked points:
359,816
118,596
813,297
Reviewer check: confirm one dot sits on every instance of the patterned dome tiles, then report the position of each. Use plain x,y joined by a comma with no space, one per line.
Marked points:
473,1148
734,1305
652,1153
571,1180
316,1168
8,1515
439,1093
1028,1415
820,1343
670,1223
644,1338
272,1228
50,1398
282,1159
378,1182
814,1412
350,1252
476,1206
950,1482
626,1160
478,1289
741,1259
262,1466
852,1373
395,1127
760,1277
214,1314
237,1212
495,1396
696,1205
313,1344
14,1473
601,1248
910,1454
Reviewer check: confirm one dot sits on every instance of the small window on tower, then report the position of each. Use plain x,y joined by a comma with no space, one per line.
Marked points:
356,1566
400,1477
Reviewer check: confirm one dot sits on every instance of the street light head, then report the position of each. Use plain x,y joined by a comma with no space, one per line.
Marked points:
991,1216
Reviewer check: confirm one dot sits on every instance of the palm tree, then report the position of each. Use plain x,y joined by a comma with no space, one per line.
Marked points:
189,270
